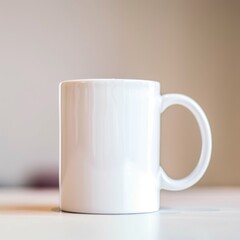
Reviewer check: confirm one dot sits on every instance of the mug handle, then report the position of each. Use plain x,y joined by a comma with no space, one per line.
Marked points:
168,183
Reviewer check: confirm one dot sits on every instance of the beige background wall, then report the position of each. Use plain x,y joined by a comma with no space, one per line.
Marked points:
192,47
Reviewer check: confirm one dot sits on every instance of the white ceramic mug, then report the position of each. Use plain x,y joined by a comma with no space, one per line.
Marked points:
109,145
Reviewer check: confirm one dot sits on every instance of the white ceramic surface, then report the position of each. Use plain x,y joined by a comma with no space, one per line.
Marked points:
109,145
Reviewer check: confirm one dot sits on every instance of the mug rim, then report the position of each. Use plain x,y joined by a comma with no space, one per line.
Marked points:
86,80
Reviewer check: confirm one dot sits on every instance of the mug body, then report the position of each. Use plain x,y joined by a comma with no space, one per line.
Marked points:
109,146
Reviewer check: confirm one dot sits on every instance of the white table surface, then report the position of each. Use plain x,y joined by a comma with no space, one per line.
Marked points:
197,213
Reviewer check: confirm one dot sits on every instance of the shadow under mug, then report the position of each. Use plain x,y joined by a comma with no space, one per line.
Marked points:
109,145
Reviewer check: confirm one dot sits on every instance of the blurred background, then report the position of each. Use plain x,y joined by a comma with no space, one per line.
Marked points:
190,46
